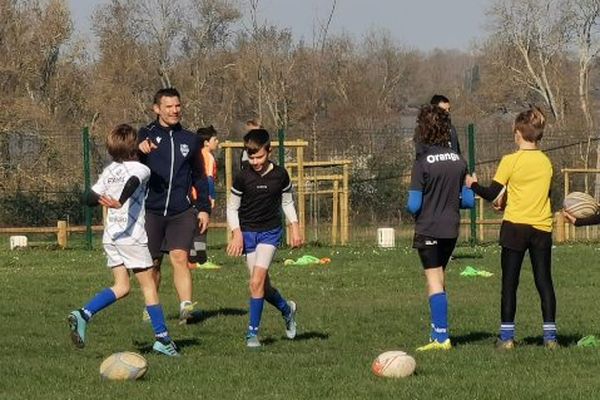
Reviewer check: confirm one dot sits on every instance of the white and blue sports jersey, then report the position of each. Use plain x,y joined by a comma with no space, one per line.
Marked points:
124,225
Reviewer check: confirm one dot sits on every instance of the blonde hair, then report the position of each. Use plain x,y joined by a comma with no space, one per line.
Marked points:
530,124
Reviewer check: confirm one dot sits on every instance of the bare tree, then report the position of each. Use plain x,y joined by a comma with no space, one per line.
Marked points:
537,31
584,18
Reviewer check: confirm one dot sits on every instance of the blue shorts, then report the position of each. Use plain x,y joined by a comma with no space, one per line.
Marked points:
253,239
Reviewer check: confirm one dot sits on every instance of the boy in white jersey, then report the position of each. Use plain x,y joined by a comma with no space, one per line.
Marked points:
122,188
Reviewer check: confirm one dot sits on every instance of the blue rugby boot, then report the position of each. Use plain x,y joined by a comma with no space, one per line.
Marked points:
168,348
77,324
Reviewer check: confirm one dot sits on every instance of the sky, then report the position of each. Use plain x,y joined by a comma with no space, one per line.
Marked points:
421,24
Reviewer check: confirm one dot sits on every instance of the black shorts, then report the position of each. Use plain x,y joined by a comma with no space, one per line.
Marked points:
521,237
434,252
173,232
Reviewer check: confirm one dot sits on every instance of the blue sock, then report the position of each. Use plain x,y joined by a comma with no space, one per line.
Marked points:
275,298
549,331
159,326
438,305
256,308
507,331
102,300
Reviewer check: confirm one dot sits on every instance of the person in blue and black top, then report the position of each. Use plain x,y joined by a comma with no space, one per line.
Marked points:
258,195
435,197
173,155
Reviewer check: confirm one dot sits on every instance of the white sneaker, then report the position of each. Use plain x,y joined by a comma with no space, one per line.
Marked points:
290,321
252,341
188,313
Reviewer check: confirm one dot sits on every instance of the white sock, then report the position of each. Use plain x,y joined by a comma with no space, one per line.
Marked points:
183,304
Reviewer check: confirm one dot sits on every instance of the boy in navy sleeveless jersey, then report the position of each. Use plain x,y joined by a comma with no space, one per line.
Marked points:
436,194
253,214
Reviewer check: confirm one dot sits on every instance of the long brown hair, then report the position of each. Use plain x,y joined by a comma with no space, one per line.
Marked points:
433,126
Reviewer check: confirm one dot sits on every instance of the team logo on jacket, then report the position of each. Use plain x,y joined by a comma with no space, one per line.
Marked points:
184,148
158,139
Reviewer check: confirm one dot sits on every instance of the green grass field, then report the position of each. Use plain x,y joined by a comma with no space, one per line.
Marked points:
365,302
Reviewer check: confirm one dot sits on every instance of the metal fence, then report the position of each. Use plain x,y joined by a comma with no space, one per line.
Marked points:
42,176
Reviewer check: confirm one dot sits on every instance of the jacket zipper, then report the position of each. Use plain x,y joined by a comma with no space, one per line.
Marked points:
170,172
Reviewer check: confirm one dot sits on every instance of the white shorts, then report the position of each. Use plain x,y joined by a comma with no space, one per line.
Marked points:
261,257
132,256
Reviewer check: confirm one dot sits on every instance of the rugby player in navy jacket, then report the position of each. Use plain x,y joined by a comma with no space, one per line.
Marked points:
172,154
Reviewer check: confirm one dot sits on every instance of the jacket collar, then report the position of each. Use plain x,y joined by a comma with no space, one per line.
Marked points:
174,128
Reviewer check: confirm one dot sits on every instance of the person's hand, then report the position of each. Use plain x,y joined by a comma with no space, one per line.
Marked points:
235,248
109,202
203,220
470,179
569,218
296,239
146,146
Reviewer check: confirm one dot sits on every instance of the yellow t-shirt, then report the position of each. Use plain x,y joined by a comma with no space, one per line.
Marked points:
527,175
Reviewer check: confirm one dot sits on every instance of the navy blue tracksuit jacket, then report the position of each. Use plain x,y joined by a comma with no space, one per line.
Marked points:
175,166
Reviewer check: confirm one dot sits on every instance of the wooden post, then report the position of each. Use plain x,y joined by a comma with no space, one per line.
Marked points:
334,213
301,202
480,218
559,227
566,230
61,234
228,182
344,206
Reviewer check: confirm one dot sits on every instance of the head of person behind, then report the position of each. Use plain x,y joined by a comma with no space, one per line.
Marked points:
433,126
441,101
167,107
208,137
121,143
258,145
254,123
528,127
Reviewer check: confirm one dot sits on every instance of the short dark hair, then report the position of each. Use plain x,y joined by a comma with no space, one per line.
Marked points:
121,143
257,139
206,133
438,98
433,126
165,92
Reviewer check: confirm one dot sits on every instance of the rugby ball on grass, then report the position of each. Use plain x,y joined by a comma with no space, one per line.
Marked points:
581,205
394,364
124,366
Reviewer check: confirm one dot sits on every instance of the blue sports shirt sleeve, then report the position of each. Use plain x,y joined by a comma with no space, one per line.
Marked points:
467,198
415,192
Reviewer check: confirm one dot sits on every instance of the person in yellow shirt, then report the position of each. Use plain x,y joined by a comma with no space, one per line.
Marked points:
527,224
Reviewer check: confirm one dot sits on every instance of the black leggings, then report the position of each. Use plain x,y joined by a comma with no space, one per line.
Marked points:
511,261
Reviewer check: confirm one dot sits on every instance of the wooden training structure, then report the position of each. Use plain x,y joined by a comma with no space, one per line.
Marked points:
340,195
340,192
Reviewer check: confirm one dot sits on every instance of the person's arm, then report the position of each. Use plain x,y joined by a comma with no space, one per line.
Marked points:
414,202
91,199
415,191
289,210
487,193
592,220
200,182
467,198
235,247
